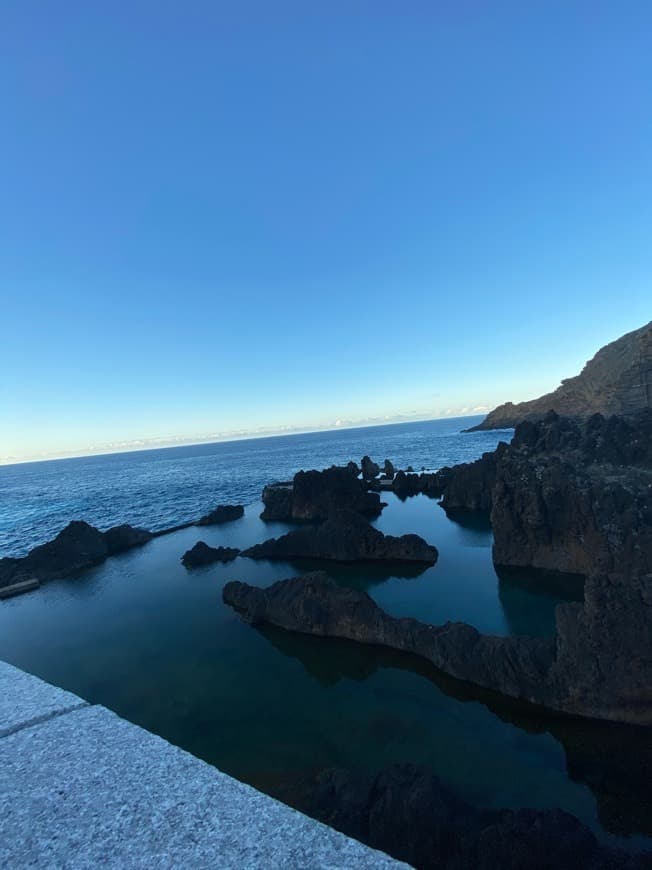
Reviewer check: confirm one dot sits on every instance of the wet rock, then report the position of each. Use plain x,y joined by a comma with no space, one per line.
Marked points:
407,812
223,513
599,665
352,467
315,495
405,485
370,469
76,548
125,537
345,537
388,468
202,554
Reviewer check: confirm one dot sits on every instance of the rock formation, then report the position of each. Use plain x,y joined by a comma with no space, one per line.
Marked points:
223,513
314,495
370,469
618,380
202,554
77,547
345,537
599,665
407,812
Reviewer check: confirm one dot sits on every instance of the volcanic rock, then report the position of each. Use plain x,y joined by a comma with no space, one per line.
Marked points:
345,537
77,547
202,554
223,513
314,495
599,665
125,537
407,812
369,468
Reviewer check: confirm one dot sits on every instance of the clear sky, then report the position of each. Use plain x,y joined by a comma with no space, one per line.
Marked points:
225,216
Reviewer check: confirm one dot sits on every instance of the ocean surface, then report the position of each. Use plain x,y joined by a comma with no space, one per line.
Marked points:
145,637
156,489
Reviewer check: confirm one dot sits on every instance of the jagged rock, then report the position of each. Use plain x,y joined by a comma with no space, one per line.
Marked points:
599,665
369,468
574,497
409,470
345,537
125,537
352,467
77,547
314,495
469,485
618,380
388,468
202,554
223,513
277,498
407,812
405,485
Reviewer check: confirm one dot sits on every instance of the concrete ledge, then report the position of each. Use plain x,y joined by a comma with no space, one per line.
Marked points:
82,788
26,700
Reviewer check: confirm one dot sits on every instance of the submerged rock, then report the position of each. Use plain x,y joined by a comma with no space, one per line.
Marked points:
599,665
77,547
345,537
407,812
223,513
202,554
314,495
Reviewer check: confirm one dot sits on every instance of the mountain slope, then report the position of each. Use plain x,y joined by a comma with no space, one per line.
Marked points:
618,380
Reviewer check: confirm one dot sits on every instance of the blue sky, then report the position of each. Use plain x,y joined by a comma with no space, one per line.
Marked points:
218,217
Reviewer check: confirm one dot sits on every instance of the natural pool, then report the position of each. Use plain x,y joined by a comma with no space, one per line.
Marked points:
154,642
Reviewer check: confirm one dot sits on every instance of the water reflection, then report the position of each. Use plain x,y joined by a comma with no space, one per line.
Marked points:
613,760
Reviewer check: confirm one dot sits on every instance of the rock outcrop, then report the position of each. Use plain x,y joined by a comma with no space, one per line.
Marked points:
202,554
124,537
576,498
345,537
370,469
315,495
223,513
77,547
407,812
618,380
599,665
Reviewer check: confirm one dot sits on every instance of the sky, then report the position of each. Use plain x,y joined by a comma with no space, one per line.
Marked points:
239,217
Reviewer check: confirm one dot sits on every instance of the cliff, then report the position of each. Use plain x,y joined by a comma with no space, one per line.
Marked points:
618,380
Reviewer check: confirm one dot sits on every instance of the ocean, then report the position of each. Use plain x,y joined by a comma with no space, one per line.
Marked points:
154,642
156,489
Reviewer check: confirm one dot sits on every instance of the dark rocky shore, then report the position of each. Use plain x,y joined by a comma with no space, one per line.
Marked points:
407,812
564,496
80,546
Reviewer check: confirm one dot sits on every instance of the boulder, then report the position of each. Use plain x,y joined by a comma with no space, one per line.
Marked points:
223,513
202,554
370,469
388,468
352,467
315,495
345,537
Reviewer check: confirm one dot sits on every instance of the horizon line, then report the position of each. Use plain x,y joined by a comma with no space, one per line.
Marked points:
230,439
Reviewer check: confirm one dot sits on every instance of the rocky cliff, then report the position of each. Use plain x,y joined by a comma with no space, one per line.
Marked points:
618,380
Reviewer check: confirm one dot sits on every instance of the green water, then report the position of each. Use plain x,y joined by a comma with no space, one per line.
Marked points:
154,642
